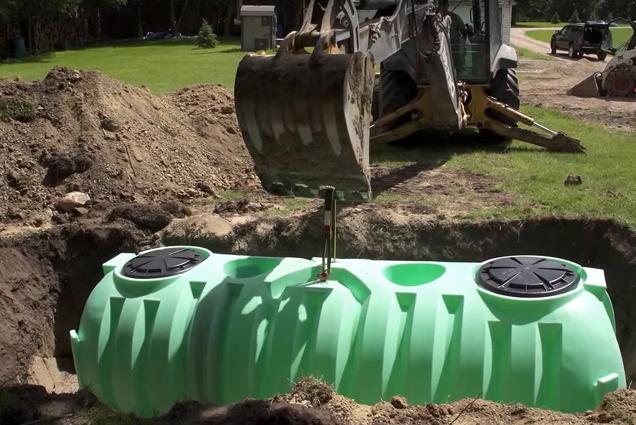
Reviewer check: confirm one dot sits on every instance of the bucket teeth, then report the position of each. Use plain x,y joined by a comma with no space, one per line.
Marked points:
305,119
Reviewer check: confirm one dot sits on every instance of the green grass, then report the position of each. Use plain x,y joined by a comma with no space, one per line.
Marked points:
161,66
524,53
538,25
535,177
619,34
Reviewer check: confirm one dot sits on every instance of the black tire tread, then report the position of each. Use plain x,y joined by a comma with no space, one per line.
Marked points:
505,88
397,89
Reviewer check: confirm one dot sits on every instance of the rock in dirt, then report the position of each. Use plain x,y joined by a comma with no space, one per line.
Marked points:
109,124
72,200
206,187
399,402
147,217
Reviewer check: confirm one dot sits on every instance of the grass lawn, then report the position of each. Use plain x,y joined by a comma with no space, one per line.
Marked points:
162,66
619,34
538,25
524,53
536,177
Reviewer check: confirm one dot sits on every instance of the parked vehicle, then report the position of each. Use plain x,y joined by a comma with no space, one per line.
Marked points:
618,79
580,39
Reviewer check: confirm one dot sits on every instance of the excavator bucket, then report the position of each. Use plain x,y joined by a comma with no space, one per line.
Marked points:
586,88
305,119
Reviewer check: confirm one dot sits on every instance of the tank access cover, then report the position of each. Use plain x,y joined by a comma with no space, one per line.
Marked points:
527,277
162,263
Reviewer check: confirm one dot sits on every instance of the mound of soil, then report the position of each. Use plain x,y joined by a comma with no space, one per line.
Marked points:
545,83
89,133
309,403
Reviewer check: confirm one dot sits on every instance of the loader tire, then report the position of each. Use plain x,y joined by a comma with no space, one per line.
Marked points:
397,89
621,81
505,88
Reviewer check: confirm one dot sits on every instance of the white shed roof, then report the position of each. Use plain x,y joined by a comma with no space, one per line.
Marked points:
249,10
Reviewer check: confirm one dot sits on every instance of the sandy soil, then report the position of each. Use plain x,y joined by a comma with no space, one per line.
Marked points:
545,83
314,403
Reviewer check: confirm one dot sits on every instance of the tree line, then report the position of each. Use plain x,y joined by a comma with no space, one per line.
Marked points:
547,10
44,25
37,26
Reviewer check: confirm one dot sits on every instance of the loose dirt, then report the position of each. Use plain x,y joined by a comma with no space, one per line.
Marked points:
545,83
115,142
314,403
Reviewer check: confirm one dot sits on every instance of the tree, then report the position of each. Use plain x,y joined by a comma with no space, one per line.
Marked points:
206,37
97,6
574,18
7,10
555,18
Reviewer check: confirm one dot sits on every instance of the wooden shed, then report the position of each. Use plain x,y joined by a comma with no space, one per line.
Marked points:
258,27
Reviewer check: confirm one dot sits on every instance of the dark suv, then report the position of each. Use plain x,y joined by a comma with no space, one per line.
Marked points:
579,39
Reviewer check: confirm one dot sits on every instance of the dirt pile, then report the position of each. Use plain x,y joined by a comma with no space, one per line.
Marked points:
313,403
545,83
82,131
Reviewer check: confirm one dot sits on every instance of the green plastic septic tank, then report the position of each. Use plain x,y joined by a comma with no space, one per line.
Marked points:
183,323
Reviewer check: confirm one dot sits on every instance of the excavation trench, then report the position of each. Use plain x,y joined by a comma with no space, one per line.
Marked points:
48,276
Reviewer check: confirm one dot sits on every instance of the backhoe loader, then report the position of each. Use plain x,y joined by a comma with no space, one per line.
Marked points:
309,112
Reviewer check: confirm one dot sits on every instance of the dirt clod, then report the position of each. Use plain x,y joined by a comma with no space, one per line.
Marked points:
310,392
573,180
60,166
147,217
399,402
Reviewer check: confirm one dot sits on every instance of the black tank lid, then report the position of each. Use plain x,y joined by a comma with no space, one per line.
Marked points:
527,277
162,263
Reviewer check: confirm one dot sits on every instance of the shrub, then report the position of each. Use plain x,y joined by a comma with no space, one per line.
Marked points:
206,37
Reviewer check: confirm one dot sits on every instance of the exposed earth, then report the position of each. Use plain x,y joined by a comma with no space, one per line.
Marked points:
546,82
147,170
